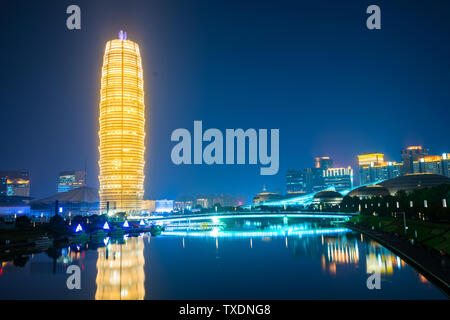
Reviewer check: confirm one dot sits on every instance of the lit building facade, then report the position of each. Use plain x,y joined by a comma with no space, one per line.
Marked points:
411,154
433,164
373,167
310,179
295,182
323,162
340,178
164,206
365,163
69,180
122,127
15,183
148,205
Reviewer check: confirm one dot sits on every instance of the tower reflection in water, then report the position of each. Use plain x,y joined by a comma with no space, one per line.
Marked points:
120,271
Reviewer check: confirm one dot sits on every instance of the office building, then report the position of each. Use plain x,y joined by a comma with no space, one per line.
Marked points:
310,179
411,154
164,206
295,182
433,164
69,180
122,127
339,178
323,162
373,167
15,183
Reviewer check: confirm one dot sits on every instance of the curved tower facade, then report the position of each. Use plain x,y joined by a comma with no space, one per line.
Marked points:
122,127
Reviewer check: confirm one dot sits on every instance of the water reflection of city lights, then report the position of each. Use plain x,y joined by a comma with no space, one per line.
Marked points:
120,271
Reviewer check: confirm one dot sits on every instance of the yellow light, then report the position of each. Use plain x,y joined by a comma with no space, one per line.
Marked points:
432,158
120,271
415,148
368,159
122,128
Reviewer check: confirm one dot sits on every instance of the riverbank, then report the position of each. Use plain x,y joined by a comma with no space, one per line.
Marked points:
428,261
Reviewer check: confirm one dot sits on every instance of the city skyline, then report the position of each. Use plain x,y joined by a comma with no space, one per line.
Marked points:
192,75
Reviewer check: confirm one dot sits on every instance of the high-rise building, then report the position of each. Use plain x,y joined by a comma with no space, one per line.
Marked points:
310,179
372,168
122,127
382,171
433,164
69,180
411,154
15,183
323,162
295,182
340,178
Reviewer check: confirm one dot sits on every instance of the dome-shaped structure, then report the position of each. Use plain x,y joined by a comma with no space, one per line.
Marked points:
414,181
266,196
83,200
328,197
78,195
366,192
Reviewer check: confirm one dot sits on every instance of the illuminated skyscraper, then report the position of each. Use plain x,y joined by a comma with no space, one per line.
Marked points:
122,127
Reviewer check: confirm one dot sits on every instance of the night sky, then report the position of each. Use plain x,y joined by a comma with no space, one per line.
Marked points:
309,68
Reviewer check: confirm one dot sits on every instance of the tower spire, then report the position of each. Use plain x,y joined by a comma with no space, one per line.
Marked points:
122,35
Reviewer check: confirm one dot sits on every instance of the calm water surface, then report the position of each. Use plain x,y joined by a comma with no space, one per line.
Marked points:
232,259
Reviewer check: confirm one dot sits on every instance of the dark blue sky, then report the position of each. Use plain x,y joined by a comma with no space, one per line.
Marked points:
310,68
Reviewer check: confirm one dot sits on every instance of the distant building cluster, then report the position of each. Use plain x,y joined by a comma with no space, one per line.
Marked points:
415,159
321,176
373,167
189,203
15,195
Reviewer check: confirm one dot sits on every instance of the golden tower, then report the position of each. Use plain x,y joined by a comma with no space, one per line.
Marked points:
122,127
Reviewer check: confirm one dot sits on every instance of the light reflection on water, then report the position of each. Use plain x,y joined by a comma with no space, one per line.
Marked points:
239,259
120,271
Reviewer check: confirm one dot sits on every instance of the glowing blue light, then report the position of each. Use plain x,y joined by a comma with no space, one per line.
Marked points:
122,35
105,241
79,228
125,224
60,209
106,226
125,237
215,220
216,233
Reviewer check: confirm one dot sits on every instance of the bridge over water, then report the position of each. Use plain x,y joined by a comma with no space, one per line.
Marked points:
248,215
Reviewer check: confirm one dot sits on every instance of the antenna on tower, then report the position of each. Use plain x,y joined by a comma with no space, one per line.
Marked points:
122,35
